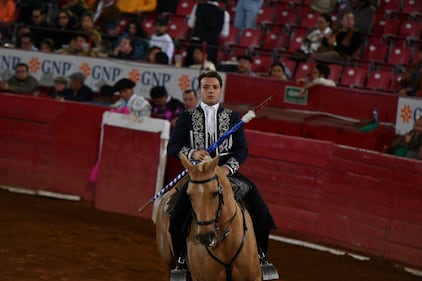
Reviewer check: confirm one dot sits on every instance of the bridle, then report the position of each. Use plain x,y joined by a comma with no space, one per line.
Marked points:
220,201
227,266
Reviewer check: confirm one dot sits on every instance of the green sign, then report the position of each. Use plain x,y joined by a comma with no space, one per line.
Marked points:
291,95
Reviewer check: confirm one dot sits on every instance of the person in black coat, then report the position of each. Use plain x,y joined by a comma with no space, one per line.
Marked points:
195,130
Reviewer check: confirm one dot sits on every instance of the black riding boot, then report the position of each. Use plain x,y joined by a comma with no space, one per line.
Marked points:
180,217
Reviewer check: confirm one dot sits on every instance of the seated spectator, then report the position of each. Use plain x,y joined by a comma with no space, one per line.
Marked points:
190,99
47,45
319,77
151,52
59,87
79,45
411,80
129,101
278,71
244,65
343,44
88,28
77,90
133,7
22,82
165,106
200,60
161,38
127,50
26,42
313,40
161,58
39,24
409,145
138,35
364,14
65,24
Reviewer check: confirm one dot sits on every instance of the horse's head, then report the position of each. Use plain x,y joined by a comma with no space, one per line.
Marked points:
206,195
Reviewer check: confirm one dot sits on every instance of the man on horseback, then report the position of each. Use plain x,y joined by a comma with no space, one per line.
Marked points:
195,130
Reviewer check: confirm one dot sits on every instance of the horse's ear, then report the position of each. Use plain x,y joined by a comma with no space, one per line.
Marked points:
214,162
185,162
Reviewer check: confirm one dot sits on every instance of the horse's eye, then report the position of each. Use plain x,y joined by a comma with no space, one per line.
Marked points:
215,194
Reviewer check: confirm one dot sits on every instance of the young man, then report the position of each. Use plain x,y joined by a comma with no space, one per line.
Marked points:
198,129
136,105
320,75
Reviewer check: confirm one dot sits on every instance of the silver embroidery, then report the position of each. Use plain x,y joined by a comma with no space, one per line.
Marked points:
198,128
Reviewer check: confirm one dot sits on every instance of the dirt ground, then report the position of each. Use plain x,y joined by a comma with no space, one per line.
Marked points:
49,239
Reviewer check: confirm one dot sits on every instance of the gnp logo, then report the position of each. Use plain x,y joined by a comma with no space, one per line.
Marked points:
406,113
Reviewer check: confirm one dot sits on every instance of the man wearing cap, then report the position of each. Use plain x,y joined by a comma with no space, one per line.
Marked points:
244,65
77,90
136,105
161,38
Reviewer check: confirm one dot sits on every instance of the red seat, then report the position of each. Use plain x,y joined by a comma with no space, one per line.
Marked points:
296,42
399,56
275,41
291,66
335,72
389,5
304,70
262,63
309,18
379,80
375,53
250,38
386,27
410,29
354,76
178,28
412,7
148,25
231,39
287,15
266,15
395,82
184,7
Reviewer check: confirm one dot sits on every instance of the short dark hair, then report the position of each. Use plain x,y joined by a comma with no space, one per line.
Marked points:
161,58
157,92
21,64
187,91
210,74
323,69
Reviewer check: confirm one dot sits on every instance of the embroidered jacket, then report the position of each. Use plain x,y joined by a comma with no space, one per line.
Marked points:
190,134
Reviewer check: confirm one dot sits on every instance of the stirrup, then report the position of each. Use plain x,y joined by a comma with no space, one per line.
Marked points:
180,273
268,270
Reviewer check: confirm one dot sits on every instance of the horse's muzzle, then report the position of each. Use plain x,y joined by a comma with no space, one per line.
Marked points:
207,239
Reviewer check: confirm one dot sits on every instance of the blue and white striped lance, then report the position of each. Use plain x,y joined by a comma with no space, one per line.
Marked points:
245,119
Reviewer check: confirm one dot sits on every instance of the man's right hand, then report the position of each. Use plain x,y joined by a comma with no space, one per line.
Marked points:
199,155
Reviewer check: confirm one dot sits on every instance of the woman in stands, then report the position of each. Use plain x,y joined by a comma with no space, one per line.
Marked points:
277,71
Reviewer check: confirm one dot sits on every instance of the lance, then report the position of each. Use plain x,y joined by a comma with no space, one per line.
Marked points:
245,119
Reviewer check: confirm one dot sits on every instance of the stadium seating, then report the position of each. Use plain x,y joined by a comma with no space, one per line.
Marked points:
354,76
184,7
379,80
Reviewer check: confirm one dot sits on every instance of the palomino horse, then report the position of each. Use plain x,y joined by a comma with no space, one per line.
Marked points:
221,244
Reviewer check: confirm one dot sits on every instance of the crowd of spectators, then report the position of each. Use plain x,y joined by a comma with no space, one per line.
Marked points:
116,29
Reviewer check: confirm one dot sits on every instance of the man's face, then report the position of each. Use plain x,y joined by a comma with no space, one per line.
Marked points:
160,101
126,94
243,65
190,100
37,17
210,90
21,73
26,43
